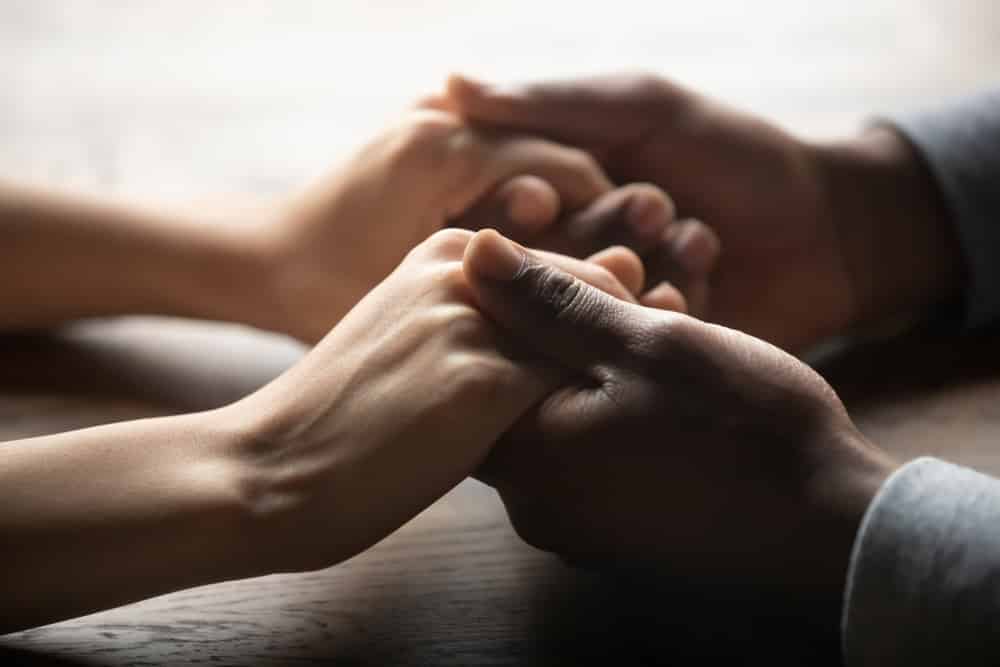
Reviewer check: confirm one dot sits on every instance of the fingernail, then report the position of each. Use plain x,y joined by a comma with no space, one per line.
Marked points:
522,206
665,297
647,217
686,250
499,259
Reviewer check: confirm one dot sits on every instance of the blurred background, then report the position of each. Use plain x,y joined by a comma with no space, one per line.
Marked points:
188,99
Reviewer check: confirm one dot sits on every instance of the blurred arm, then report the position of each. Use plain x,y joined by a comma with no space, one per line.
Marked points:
917,200
65,257
961,145
898,236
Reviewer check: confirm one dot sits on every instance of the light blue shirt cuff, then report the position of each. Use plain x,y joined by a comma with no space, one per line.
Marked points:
960,143
923,585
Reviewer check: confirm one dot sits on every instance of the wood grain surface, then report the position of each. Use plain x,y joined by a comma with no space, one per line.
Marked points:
186,99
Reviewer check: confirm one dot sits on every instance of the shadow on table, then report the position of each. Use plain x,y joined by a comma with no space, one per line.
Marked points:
195,366
635,619
16,657
918,364
571,617
559,616
164,366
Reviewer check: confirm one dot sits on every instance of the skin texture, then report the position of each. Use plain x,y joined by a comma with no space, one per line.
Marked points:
332,249
731,459
358,437
312,257
816,240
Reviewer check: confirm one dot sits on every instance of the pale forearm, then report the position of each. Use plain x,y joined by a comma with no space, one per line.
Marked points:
104,516
64,257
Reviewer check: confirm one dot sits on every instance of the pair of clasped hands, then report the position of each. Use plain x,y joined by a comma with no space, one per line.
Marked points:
608,357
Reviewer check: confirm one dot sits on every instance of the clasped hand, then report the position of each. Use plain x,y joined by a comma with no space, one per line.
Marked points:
615,427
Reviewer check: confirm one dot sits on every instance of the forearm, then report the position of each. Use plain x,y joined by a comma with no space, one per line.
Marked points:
900,245
65,257
104,516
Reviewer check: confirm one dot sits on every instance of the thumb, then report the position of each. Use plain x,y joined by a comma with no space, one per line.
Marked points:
596,112
544,307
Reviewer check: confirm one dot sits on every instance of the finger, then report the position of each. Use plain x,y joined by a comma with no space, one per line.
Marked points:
573,173
555,313
634,216
665,297
685,259
520,209
437,102
624,264
608,273
590,111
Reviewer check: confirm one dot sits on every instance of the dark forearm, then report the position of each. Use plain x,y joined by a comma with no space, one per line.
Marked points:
65,257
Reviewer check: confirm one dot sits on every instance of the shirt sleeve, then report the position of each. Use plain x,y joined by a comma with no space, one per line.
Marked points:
923,586
961,146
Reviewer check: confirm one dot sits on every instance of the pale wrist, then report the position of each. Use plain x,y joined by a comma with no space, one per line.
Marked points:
245,488
227,275
277,470
306,286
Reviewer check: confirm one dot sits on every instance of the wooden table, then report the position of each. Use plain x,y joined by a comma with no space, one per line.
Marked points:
184,99
455,586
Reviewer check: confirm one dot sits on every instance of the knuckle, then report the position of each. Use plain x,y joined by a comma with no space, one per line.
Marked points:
646,83
423,128
562,293
457,328
665,338
476,374
651,93
465,328
435,140
583,162
446,244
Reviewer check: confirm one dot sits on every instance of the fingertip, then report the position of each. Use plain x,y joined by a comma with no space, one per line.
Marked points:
664,297
650,211
624,265
491,257
696,247
531,203
461,86
436,102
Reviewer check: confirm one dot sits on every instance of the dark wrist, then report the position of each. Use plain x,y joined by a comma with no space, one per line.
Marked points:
848,473
898,243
